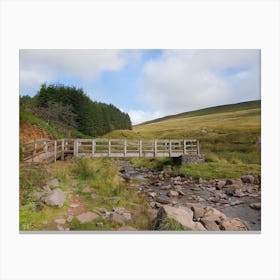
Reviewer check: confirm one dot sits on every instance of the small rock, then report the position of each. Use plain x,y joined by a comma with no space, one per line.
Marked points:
229,182
107,214
153,204
200,181
214,199
87,217
60,227
119,210
162,200
118,218
181,193
256,205
74,205
52,183
60,221
87,189
37,195
55,198
165,187
94,196
248,179
127,216
69,218
152,194
44,222
46,188
237,202
220,185
126,228
99,224
172,193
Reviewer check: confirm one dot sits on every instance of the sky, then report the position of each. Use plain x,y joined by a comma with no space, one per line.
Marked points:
147,84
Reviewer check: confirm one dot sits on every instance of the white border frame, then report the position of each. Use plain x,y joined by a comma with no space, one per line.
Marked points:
124,24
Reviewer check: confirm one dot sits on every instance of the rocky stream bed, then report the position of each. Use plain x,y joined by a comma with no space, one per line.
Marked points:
224,204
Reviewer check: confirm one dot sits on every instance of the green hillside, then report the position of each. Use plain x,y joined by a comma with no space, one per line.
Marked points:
67,108
227,134
212,110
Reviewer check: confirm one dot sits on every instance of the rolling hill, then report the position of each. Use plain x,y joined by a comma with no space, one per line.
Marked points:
226,133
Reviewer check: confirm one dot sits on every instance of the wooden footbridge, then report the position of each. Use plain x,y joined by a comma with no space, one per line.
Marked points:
45,150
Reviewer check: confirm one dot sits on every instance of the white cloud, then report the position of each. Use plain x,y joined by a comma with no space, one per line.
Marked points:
139,116
182,80
37,65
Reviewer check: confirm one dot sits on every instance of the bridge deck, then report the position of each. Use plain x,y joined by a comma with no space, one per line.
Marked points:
45,150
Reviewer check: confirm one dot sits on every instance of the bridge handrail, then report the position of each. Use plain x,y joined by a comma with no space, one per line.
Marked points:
103,147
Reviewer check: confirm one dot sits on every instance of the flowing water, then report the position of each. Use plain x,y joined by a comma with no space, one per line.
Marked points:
149,182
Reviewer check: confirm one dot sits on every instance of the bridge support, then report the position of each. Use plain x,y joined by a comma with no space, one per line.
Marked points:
188,159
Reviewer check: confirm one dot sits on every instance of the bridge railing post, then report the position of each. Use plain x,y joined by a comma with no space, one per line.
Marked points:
62,149
75,148
185,147
197,147
140,148
125,148
55,150
93,147
155,148
109,147
170,147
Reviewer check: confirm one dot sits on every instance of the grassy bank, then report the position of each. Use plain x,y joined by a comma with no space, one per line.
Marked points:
205,170
100,175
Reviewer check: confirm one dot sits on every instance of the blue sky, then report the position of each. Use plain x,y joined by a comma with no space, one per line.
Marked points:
147,83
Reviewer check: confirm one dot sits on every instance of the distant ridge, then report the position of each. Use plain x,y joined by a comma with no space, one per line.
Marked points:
211,110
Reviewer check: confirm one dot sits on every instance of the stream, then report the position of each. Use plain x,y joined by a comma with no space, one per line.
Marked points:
156,185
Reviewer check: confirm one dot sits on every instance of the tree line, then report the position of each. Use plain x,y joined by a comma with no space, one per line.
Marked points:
67,107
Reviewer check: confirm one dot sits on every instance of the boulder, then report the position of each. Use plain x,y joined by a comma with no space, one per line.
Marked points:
55,197
234,224
198,212
182,215
213,214
248,179
209,225
87,217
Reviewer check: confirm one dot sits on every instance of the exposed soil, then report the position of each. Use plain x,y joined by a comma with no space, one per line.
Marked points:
30,132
